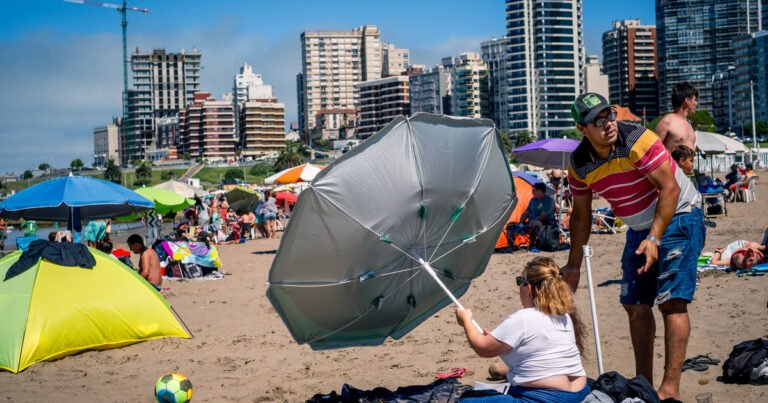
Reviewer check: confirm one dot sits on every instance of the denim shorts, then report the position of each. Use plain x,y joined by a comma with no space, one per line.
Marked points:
270,216
674,274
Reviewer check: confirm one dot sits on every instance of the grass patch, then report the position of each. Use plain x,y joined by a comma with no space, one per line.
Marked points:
215,175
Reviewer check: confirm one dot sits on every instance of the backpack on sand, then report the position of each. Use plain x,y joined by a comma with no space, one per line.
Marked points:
745,357
549,239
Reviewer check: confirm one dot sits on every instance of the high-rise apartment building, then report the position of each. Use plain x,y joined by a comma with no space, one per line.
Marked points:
469,86
207,128
431,90
262,127
249,85
494,54
629,60
105,143
379,102
694,43
332,62
395,61
751,68
594,79
545,64
163,84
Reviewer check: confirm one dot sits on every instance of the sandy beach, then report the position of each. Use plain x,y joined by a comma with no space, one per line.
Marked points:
242,352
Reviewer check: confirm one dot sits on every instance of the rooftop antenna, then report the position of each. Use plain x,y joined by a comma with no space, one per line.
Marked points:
123,10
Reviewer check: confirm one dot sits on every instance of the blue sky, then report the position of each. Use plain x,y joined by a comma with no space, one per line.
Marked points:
60,63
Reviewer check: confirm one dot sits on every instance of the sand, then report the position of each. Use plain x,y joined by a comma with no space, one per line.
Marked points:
242,352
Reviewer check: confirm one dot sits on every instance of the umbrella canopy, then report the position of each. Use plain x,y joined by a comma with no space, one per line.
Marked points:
83,197
181,188
241,198
165,201
51,311
710,143
548,153
349,271
301,173
285,197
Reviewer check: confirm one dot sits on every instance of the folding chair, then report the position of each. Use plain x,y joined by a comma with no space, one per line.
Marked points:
604,222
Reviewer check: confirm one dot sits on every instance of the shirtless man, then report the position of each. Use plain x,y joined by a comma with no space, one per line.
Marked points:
675,129
149,263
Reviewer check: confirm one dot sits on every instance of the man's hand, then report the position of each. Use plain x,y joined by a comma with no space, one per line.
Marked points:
463,316
651,252
571,276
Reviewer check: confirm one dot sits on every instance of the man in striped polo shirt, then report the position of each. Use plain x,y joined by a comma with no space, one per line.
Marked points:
629,166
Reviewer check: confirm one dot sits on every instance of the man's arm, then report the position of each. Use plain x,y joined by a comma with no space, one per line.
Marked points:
662,128
669,193
145,266
580,227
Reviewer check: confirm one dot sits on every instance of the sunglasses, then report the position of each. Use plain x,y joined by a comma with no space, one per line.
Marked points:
521,281
600,122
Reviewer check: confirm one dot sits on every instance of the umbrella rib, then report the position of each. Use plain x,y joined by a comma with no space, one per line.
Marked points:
419,177
471,193
505,214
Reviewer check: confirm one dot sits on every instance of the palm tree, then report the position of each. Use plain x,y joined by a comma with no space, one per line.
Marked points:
292,155
44,167
143,173
524,137
112,172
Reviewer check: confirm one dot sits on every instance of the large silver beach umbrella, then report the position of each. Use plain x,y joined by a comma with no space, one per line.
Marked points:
354,264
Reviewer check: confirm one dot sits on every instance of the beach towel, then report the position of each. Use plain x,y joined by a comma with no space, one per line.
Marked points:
442,390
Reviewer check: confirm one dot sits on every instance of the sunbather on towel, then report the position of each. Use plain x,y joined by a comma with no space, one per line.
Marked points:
541,343
746,259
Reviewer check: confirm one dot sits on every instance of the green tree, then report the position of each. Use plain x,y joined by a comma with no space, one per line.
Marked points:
167,175
143,173
506,142
523,137
234,174
760,125
76,164
44,167
27,174
186,156
655,122
294,154
112,172
702,120
323,144
572,134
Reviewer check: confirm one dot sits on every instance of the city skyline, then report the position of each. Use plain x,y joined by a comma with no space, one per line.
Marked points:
60,62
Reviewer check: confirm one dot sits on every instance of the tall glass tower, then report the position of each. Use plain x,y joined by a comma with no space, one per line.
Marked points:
545,64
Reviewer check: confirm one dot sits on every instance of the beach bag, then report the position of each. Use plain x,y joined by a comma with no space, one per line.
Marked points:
745,357
549,238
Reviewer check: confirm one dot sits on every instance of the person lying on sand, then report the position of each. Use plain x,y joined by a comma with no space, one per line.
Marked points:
541,343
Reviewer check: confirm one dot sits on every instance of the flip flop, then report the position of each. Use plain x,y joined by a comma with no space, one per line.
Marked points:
705,359
452,373
692,365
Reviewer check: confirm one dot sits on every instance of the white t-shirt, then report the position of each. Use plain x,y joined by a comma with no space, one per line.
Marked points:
730,248
542,346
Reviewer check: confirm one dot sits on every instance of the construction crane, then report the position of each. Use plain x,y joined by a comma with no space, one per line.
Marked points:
123,10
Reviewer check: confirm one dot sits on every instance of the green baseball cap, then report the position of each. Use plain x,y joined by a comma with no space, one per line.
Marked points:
587,106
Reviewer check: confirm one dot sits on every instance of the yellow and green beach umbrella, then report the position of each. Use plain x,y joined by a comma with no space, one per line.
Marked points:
50,311
165,201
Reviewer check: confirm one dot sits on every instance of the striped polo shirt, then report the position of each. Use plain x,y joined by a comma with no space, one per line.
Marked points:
621,178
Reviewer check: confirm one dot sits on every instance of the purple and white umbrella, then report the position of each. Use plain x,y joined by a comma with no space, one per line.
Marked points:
549,153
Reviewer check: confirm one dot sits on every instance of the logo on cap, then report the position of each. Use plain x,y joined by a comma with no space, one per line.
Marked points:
591,100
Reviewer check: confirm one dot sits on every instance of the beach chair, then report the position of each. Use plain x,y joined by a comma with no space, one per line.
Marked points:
748,193
604,222
22,242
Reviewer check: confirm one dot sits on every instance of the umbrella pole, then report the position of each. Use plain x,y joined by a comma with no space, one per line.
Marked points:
593,310
431,271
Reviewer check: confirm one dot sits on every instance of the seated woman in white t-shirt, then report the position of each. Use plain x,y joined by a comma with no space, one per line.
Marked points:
541,343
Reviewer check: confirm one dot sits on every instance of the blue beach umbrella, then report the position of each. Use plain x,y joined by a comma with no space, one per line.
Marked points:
74,199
